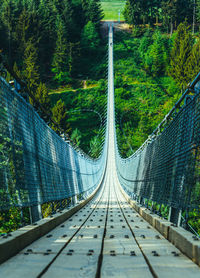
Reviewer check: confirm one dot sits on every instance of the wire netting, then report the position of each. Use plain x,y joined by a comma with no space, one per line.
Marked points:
36,165
166,169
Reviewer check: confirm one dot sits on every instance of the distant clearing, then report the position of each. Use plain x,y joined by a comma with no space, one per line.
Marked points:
111,9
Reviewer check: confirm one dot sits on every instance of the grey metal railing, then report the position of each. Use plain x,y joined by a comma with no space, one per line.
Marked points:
166,168
36,165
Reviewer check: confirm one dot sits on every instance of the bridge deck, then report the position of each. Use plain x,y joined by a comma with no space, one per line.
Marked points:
106,238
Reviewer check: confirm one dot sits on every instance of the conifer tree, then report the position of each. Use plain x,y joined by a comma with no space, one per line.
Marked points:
68,20
156,58
74,58
145,42
198,10
132,12
30,67
141,11
48,14
90,37
76,137
8,16
180,54
193,63
95,12
59,115
59,64
184,11
41,95
22,26
169,14
95,147
85,4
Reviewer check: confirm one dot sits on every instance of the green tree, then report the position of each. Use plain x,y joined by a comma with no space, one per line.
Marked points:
8,15
95,12
184,11
176,11
90,38
132,12
74,58
60,57
141,11
156,57
68,16
169,14
145,42
179,55
76,137
48,14
193,63
22,27
95,147
197,11
42,97
30,67
59,115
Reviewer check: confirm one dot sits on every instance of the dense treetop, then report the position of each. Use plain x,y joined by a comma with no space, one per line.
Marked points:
46,42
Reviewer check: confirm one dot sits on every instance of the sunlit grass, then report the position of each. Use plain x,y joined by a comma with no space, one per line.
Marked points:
111,9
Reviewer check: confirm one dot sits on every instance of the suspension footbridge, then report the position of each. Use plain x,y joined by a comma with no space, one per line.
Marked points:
109,235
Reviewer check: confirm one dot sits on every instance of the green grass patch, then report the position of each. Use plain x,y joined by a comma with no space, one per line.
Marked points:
111,9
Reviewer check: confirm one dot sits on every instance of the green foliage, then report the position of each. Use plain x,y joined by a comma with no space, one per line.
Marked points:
53,27
60,63
90,38
41,95
193,62
30,71
141,11
95,12
76,137
145,43
59,115
157,54
169,12
131,12
194,219
198,10
143,96
13,219
180,53
95,147
78,102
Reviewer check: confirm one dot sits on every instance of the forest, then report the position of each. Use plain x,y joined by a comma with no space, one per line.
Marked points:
57,48
53,45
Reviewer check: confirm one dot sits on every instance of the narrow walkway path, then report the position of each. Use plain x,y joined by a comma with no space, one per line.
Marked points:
106,238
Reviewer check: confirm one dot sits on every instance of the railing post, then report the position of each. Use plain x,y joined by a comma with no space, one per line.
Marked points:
35,213
175,216
141,201
74,200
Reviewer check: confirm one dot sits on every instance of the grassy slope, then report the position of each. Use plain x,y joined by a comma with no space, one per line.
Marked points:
111,9
78,100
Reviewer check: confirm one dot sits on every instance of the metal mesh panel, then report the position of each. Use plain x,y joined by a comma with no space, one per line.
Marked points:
36,165
166,170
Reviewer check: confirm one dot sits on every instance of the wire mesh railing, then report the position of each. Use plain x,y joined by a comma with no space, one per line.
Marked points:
36,165
166,168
